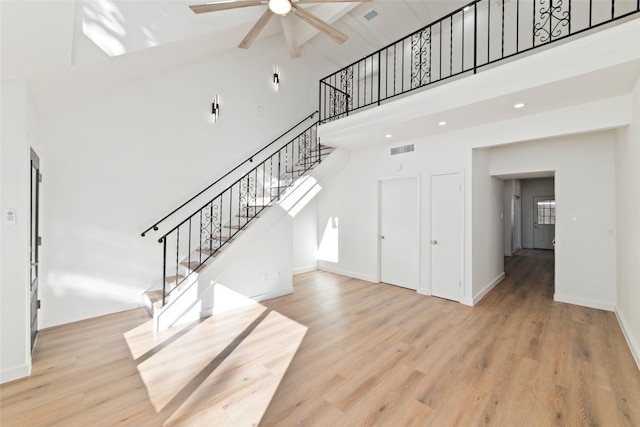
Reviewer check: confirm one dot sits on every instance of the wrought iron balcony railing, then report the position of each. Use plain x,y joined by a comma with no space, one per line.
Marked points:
472,37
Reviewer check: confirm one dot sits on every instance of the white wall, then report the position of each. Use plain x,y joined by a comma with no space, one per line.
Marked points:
487,227
19,132
350,201
305,239
628,231
531,188
264,271
120,162
585,269
585,250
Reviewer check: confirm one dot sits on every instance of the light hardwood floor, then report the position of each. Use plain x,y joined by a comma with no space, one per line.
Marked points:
343,352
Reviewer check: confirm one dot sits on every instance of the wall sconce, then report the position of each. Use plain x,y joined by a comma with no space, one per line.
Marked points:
215,108
276,79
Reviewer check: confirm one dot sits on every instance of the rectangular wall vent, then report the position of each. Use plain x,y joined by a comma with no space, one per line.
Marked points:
369,16
404,149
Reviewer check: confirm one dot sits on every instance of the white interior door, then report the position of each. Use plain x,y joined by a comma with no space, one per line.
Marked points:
544,222
446,234
399,232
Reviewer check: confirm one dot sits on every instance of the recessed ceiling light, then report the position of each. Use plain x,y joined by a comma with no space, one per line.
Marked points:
442,123
388,135
518,105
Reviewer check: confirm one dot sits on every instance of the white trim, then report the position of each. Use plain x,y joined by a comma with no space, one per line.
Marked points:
476,299
467,302
347,273
304,269
15,373
272,294
633,345
584,302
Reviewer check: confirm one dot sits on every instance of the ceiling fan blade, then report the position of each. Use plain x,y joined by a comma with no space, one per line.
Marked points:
255,30
290,36
338,36
330,1
213,7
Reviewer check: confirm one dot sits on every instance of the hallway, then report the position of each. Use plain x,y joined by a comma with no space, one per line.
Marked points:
381,355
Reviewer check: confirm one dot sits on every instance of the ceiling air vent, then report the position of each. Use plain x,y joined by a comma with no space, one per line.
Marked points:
369,16
404,149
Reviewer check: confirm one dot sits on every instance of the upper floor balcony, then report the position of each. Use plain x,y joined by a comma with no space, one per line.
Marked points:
471,40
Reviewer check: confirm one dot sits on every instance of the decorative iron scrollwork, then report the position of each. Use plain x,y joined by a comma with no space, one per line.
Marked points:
210,226
304,148
553,21
346,84
421,58
248,191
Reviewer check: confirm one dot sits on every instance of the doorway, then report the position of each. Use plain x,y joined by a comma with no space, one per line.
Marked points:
34,243
544,222
399,232
446,236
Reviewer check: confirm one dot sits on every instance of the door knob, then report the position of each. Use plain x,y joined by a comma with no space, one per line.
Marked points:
382,237
434,242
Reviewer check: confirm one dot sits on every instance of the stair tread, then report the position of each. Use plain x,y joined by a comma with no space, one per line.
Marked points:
173,280
154,296
194,266
236,226
315,150
207,251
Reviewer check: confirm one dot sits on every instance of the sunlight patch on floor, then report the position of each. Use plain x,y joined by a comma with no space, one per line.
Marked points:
228,366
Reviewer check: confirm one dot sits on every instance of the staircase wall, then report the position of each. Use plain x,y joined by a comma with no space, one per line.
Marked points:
119,162
259,263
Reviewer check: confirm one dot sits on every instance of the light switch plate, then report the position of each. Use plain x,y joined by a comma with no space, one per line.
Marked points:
11,217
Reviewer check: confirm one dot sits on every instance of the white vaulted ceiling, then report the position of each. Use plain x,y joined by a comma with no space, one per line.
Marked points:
98,45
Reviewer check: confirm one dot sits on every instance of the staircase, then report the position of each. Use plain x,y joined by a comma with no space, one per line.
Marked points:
202,237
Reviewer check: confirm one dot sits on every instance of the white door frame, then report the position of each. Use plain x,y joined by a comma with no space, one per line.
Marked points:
418,217
426,289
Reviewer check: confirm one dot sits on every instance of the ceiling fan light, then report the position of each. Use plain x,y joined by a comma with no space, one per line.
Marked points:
280,7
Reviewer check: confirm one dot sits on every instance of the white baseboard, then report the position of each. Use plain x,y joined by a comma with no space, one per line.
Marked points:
347,273
584,302
15,373
467,301
476,298
631,342
76,317
208,311
305,269
273,294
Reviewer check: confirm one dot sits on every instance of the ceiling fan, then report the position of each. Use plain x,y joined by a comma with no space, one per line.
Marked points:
282,8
